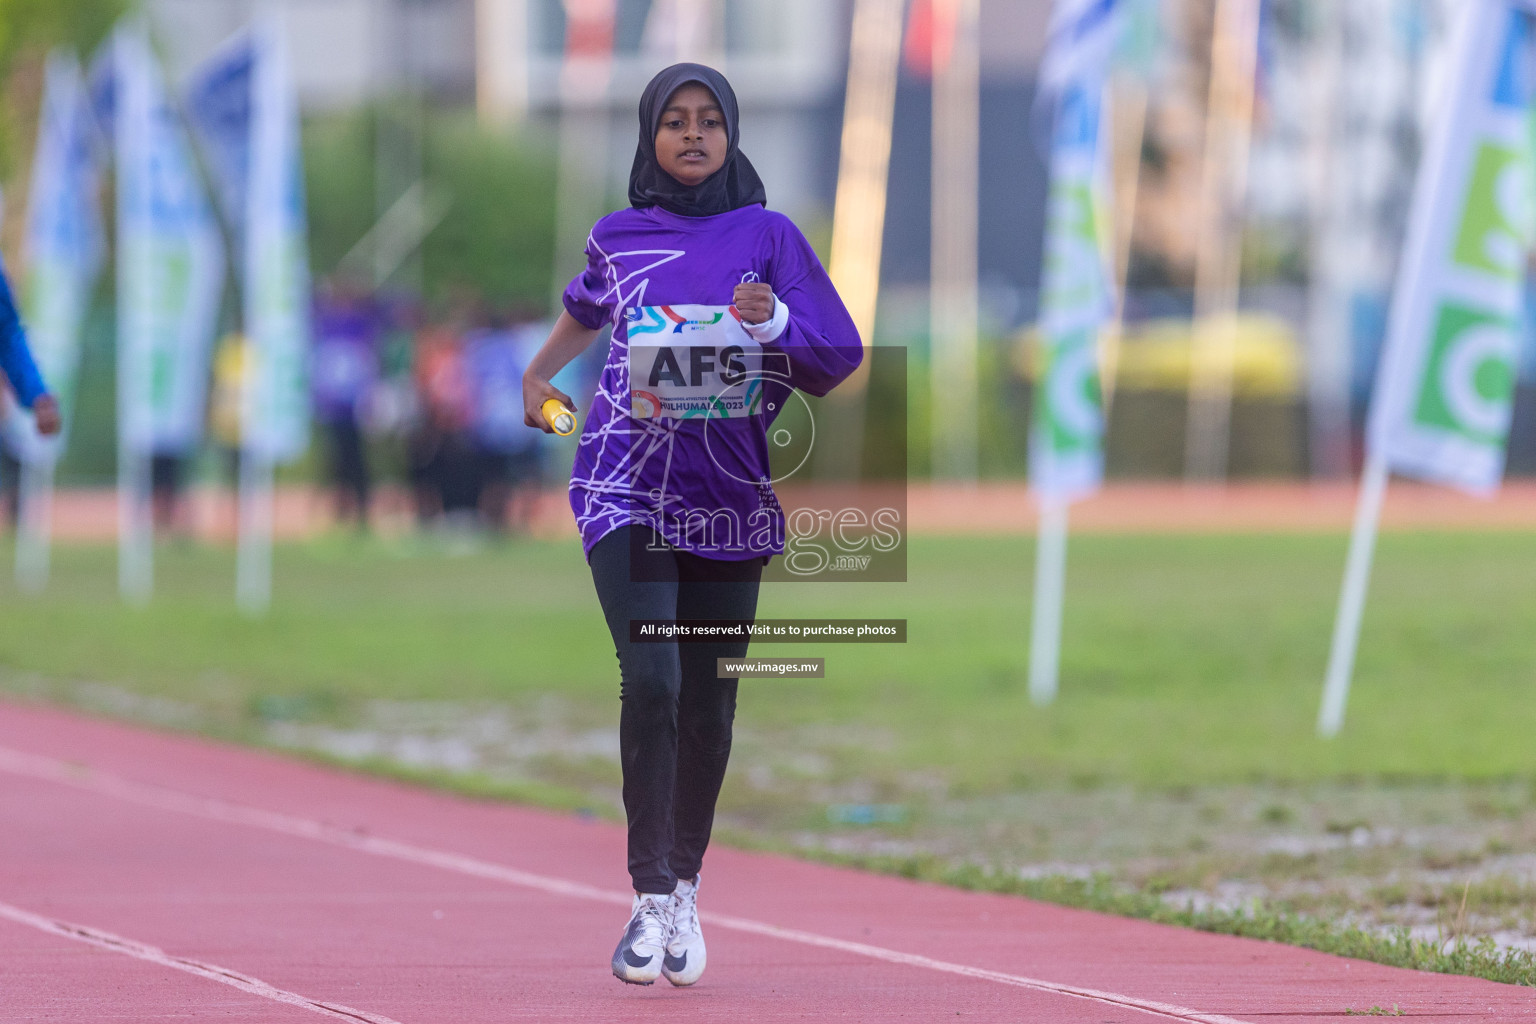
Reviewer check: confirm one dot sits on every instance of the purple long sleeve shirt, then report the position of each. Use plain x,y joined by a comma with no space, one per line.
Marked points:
677,436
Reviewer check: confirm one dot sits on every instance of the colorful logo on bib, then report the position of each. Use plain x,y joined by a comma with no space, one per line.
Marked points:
673,319
692,362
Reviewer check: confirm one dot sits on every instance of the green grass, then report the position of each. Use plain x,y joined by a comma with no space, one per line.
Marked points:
1186,660
1455,955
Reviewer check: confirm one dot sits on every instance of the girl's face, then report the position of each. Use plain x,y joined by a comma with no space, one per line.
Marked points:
691,140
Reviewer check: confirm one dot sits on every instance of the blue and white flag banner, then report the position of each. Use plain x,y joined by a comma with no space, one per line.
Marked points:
170,259
218,104
1066,441
64,243
1445,390
276,412
1080,42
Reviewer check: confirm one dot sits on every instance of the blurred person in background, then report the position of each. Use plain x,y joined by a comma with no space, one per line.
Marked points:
11,423
343,377
166,475
443,470
230,368
393,409
27,389
525,469
507,453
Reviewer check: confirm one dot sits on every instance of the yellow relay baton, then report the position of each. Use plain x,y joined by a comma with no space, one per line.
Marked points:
560,419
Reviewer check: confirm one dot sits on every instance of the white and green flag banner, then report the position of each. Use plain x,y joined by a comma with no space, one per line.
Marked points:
170,258
1445,391
1066,442
64,243
276,412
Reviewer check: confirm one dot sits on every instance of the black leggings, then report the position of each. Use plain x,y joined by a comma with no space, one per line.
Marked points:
675,719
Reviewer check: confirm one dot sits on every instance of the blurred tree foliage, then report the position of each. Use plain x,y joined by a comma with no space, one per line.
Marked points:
495,243
28,30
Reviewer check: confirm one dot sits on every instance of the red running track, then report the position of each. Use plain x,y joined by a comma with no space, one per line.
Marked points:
151,877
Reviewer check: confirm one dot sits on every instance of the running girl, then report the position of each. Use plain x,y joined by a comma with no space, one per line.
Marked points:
720,309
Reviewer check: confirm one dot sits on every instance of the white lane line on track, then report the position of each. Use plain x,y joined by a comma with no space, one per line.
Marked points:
52,770
153,954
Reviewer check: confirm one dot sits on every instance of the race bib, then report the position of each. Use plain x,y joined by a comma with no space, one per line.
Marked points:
688,362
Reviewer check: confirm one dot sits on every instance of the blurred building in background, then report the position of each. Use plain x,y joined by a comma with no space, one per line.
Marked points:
345,52
1348,94
786,58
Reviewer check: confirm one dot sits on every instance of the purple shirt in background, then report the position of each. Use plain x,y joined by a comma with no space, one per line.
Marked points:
697,472
494,362
345,360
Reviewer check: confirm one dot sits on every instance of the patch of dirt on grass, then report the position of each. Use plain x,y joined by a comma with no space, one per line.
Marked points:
1427,856
1379,854
544,740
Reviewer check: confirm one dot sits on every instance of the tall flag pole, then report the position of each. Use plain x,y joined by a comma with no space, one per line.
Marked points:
1066,458
274,408
64,250
952,262
858,217
1445,386
1339,240
1130,103
501,61
132,112
244,112
170,270
863,169
1224,194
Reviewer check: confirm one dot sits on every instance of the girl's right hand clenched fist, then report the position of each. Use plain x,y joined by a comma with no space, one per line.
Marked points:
754,301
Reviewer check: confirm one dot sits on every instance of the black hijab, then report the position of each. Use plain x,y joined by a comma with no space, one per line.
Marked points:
733,186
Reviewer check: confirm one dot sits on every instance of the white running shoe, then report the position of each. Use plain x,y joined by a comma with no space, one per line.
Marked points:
637,960
684,962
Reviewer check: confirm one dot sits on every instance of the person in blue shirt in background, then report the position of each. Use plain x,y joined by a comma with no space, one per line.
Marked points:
19,368
343,376
507,452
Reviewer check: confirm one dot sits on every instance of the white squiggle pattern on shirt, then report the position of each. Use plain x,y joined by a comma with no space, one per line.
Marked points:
609,497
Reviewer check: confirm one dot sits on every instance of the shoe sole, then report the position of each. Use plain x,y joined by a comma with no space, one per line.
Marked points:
623,976
630,975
